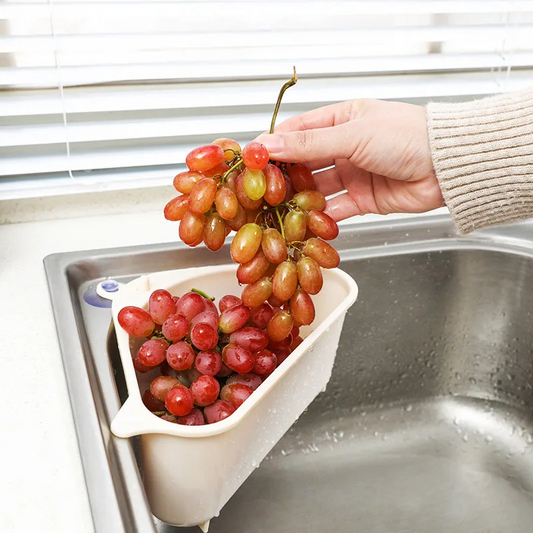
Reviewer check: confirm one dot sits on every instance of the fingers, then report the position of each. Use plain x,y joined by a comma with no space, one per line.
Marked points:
337,142
323,117
328,182
342,207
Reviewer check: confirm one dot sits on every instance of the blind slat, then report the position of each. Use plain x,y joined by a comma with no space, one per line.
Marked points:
265,39
302,8
217,71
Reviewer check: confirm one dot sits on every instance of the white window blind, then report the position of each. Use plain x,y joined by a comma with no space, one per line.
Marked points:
111,95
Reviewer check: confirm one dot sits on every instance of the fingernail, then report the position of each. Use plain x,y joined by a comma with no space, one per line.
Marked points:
273,143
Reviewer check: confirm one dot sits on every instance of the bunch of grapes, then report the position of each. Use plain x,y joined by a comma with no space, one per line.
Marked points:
278,216
210,360
281,228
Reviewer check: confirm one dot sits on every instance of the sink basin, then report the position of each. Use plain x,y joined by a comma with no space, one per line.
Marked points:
426,424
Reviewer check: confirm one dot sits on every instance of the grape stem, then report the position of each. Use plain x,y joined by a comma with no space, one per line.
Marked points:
290,83
280,223
201,293
231,169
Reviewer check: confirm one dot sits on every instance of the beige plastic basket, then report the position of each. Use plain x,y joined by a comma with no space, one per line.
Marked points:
190,472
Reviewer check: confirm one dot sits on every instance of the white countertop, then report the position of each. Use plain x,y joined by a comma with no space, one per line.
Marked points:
42,484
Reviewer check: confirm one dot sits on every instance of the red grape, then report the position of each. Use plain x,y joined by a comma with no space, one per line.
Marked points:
322,225
265,363
218,411
274,346
184,182
217,171
214,232
202,196
136,321
295,226
179,401
139,366
309,275
256,293
194,418
208,363
191,230
280,325
210,306
274,246
237,358
309,200
251,380
246,243
296,342
226,203
175,327
205,157
180,356
161,385
190,375
151,403
233,318
205,390
228,301
302,307
206,317
275,185
161,305
204,336
261,315
301,177
255,156
282,354
253,339
190,304
239,220
153,352
231,148
252,270
322,252
284,281
176,208
235,393
224,372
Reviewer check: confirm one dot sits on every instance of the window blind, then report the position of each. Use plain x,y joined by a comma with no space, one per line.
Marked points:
113,95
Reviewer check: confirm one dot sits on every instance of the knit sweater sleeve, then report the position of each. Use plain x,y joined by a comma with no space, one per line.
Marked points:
482,152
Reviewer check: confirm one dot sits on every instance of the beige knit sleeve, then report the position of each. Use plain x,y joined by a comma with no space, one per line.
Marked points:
483,156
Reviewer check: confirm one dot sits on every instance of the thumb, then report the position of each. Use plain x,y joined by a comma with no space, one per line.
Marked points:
336,142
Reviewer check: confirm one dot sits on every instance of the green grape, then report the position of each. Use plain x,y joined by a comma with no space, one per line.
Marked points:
310,200
254,183
295,225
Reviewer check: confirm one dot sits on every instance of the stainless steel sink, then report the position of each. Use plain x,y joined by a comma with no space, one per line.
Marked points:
426,425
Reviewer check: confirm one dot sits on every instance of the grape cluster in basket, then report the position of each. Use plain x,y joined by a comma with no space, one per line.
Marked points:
210,359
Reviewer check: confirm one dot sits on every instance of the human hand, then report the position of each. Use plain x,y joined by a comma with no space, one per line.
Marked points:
379,152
